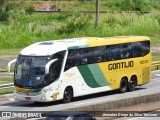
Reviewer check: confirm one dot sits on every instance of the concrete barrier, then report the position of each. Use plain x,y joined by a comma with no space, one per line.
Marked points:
120,103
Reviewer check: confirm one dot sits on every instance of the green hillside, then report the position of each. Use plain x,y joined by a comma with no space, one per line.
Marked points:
20,26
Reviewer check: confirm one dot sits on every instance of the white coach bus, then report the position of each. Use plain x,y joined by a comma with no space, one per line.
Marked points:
63,69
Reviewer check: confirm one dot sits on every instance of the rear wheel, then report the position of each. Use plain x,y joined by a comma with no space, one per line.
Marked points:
132,84
123,86
68,94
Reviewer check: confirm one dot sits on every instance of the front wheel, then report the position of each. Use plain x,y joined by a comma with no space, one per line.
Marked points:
68,94
123,86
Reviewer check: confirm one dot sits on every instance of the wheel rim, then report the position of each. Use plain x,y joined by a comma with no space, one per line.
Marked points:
133,84
67,95
124,86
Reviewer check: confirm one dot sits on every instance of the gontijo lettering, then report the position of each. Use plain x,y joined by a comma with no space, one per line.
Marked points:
120,65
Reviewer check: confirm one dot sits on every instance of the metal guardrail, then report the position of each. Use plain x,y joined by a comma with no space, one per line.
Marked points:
156,65
4,86
153,64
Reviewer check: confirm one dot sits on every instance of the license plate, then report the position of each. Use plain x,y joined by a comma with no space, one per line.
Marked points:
27,98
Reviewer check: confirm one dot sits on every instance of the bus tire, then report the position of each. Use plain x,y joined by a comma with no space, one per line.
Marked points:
123,85
38,103
132,84
68,95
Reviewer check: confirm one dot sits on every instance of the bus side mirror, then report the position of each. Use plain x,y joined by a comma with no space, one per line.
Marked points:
48,66
9,65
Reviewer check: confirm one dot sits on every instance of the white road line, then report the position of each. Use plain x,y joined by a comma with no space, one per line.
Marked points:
3,106
9,94
155,71
157,74
158,79
93,101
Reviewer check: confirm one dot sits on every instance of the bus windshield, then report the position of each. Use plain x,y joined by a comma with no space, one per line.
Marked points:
30,71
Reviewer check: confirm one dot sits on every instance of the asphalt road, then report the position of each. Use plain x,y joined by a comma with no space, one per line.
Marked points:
150,88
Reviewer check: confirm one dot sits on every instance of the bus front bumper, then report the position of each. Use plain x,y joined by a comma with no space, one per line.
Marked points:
35,98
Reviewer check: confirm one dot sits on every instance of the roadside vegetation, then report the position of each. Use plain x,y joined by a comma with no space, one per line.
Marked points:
156,58
26,29
6,91
4,80
20,26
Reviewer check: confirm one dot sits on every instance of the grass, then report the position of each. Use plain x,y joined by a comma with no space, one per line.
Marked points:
106,5
6,91
27,29
155,40
5,80
5,68
10,51
22,30
155,57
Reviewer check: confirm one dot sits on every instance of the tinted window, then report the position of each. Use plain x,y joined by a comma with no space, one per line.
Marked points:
72,59
86,56
113,52
125,50
54,71
145,47
56,66
106,53
136,50
99,54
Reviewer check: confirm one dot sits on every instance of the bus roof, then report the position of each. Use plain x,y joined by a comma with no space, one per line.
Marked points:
114,40
50,47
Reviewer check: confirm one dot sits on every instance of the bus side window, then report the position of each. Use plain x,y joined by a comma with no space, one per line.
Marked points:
145,47
113,52
54,72
109,53
55,68
86,56
136,50
125,51
99,54
72,59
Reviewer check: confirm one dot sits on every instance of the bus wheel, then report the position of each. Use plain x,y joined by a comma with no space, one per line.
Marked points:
132,84
123,86
68,94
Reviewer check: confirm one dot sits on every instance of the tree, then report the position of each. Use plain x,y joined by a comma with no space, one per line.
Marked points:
3,10
2,2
